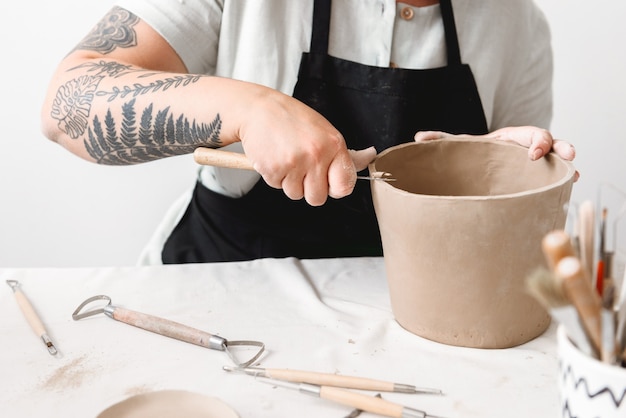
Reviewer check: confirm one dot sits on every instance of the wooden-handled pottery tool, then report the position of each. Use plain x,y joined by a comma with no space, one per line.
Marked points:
167,328
31,316
580,292
358,400
330,379
229,159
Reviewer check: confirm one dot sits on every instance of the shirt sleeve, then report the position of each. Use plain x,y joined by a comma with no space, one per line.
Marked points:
191,27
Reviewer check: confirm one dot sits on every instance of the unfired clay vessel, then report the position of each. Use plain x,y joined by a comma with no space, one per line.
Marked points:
461,229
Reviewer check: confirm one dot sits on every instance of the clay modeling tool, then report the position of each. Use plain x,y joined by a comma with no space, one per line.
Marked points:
329,379
357,412
229,159
167,328
580,292
586,231
356,400
31,316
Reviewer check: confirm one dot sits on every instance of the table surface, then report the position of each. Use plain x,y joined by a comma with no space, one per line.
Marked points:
330,315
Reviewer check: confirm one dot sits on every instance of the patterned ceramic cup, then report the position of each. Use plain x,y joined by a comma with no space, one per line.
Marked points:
588,387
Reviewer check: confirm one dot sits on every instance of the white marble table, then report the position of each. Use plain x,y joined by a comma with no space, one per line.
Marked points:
323,315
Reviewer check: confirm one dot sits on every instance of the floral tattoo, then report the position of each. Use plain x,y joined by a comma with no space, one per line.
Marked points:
156,133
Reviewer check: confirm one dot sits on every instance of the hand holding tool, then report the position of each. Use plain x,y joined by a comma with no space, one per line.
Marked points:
167,328
31,316
229,159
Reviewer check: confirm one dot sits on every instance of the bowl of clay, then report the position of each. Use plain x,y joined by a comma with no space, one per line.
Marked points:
461,229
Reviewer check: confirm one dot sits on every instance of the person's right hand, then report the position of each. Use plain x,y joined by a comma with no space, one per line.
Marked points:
296,149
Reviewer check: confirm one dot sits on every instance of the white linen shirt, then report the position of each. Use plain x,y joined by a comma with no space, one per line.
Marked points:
506,43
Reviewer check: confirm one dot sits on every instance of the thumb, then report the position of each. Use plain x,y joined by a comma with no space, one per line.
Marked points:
362,158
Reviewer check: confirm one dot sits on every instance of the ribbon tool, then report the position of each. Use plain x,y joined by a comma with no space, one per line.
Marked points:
167,328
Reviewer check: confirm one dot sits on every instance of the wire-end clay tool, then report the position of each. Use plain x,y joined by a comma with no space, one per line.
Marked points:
167,328
354,399
31,316
330,379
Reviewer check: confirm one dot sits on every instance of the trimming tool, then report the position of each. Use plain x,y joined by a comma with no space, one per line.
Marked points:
167,328
229,159
330,379
31,316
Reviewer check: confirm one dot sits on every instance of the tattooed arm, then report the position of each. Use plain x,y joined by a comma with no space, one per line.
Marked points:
123,96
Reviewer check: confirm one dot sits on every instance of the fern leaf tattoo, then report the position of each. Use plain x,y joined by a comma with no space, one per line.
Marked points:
156,136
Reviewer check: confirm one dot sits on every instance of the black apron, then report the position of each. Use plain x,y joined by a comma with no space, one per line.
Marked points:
369,105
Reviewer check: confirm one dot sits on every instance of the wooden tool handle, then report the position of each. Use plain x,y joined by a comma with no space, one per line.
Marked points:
586,231
220,158
556,245
29,313
583,296
327,379
364,402
167,328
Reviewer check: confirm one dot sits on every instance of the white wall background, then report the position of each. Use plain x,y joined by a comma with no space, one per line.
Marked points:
57,210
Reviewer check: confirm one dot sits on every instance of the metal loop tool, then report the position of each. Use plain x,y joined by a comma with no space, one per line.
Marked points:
167,328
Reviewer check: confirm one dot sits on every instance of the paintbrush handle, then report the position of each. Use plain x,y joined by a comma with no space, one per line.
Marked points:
586,231
556,245
580,292
166,327
220,158
328,379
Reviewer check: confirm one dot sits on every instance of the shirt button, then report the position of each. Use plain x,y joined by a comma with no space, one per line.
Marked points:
407,13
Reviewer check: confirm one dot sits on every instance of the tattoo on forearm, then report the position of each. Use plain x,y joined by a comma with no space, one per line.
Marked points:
115,29
163,136
153,137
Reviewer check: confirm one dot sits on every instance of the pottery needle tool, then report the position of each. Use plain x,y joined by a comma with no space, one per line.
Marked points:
167,328
354,399
31,316
229,159
330,379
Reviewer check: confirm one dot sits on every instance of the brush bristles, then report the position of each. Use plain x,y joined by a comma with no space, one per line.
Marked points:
543,285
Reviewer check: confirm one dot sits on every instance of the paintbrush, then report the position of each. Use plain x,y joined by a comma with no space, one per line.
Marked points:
356,400
543,285
579,290
330,379
600,273
586,231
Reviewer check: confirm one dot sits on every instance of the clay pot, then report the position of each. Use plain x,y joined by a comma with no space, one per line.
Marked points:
461,230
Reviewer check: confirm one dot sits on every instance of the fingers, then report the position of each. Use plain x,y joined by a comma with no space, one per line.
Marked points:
538,141
564,149
341,176
423,136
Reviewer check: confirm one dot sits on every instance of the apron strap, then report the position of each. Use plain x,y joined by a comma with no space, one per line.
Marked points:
321,26
449,27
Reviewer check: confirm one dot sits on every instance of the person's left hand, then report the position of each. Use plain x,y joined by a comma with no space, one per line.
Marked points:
538,141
